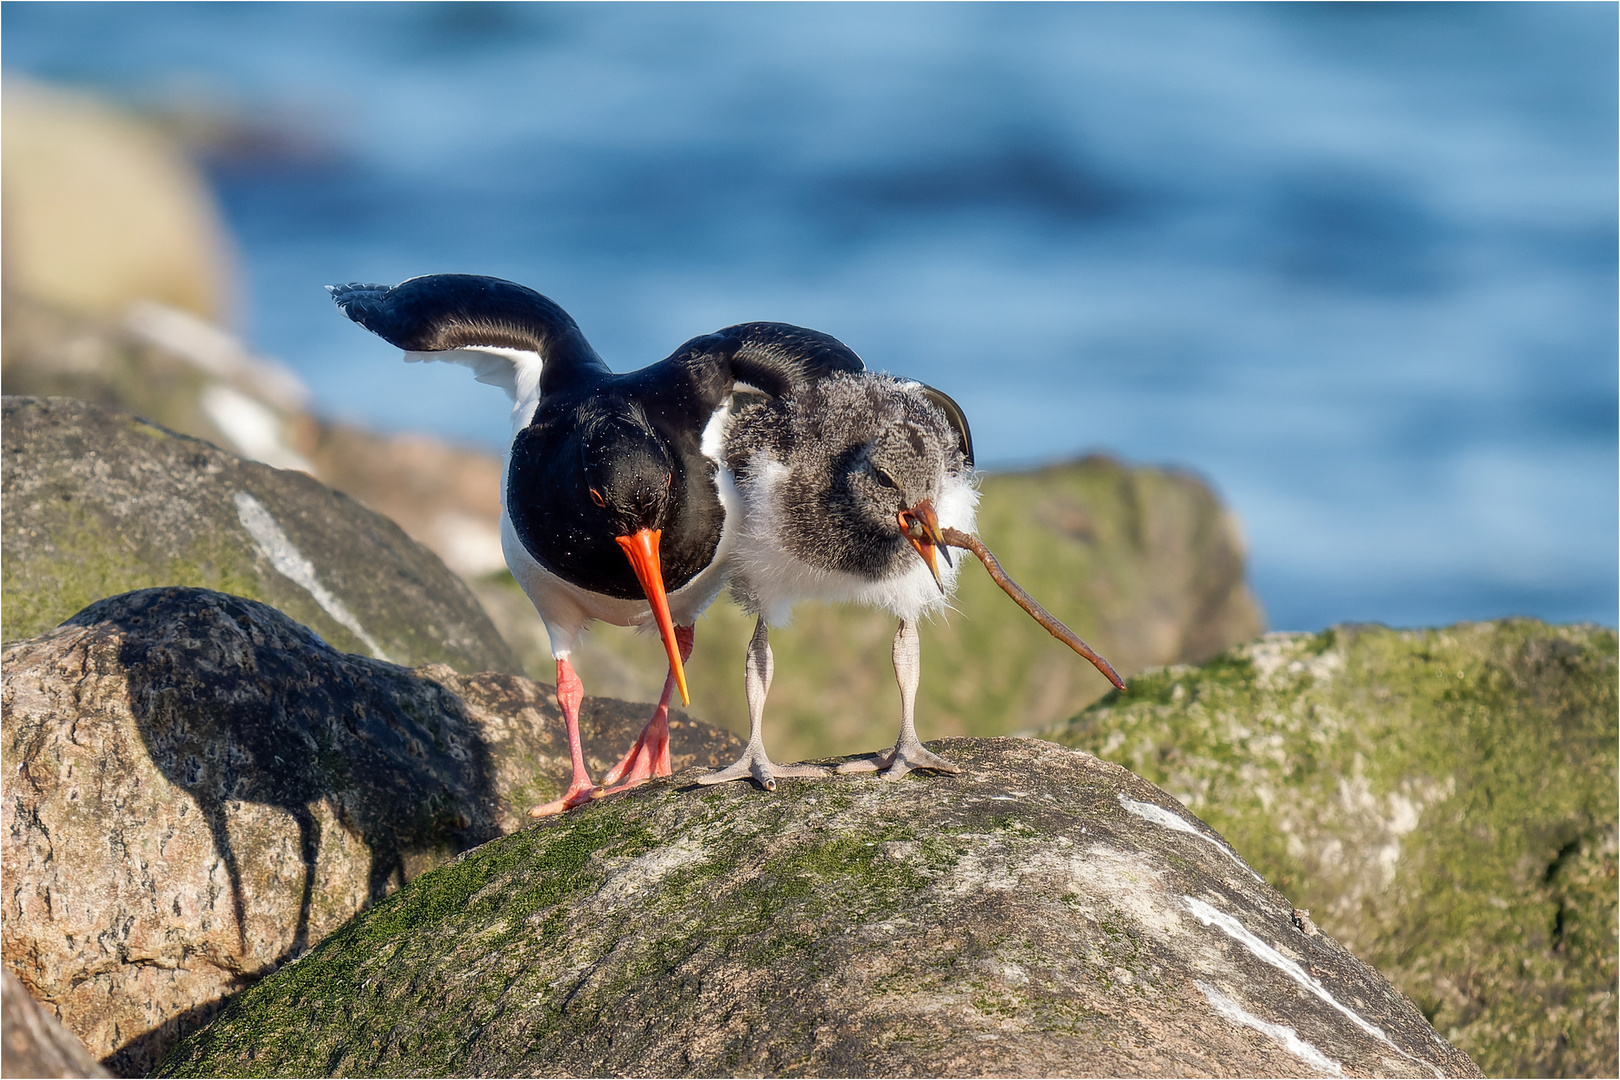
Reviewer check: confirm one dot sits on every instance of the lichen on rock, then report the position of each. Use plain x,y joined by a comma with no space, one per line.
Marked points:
99,503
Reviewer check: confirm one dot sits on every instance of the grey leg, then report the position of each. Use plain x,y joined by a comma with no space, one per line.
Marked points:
908,752
757,682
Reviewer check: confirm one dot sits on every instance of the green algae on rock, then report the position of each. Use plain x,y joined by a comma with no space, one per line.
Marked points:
1444,801
99,503
1044,913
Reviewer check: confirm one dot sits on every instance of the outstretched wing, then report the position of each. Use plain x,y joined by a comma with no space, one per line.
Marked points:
509,335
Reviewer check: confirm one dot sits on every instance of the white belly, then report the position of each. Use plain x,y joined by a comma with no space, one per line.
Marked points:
567,609
775,578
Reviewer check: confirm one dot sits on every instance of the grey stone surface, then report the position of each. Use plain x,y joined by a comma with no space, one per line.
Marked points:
1043,913
197,788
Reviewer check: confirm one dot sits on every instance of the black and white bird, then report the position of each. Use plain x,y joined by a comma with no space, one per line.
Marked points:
847,484
613,503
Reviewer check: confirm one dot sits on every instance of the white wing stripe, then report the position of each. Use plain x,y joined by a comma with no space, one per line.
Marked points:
517,371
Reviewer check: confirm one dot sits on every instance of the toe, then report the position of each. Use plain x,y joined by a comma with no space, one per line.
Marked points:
729,773
910,758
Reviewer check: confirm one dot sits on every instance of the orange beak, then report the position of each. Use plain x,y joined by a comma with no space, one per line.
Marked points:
921,526
642,551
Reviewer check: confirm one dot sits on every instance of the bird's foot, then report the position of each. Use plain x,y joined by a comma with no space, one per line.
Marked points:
649,757
644,762
903,758
579,792
754,764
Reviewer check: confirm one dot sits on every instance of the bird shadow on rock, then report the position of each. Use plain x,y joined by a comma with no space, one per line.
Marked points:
235,702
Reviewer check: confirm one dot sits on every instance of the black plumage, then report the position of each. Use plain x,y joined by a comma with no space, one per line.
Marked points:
612,508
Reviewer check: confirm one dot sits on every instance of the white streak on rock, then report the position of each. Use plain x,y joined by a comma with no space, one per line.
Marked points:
252,427
291,563
470,546
1170,820
641,874
1284,1035
1209,915
212,350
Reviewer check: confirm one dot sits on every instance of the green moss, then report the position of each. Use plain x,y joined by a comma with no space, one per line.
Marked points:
1417,790
86,559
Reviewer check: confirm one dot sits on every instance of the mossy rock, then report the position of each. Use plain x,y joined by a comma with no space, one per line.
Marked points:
1443,800
1042,913
99,503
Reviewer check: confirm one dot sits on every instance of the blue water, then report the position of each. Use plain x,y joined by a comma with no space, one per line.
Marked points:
1355,264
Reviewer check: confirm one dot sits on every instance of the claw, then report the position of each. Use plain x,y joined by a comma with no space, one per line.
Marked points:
897,762
762,770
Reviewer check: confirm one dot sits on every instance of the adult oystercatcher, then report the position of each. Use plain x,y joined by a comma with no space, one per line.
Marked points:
853,488
613,506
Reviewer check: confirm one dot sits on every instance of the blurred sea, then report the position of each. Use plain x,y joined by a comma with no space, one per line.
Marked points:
1354,263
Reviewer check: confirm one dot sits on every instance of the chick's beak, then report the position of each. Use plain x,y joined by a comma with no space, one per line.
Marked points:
641,549
921,527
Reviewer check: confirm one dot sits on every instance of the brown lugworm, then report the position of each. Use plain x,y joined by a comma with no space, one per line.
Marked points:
957,538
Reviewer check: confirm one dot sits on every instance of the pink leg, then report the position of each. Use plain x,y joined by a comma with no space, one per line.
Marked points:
570,692
649,757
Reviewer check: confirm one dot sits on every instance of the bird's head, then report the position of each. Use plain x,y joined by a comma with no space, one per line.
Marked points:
628,480
627,474
896,479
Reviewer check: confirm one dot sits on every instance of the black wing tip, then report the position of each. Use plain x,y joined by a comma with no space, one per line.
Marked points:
439,312
347,293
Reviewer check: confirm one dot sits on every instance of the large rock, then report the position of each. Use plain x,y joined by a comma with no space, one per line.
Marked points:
99,503
1444,801
1044,913
197,788
163,364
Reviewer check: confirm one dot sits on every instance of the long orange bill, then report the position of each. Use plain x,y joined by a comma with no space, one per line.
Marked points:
642,551
956,538
921,526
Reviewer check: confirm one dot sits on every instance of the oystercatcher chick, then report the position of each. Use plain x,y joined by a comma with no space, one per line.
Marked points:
611,509
846,484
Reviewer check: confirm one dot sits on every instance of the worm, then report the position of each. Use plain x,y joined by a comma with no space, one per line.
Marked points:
957,538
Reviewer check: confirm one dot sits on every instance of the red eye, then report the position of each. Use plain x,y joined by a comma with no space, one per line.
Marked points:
596,497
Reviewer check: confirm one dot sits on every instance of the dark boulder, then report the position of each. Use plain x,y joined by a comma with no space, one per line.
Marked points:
198,788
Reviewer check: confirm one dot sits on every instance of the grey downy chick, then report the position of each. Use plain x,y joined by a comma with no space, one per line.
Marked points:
846,484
